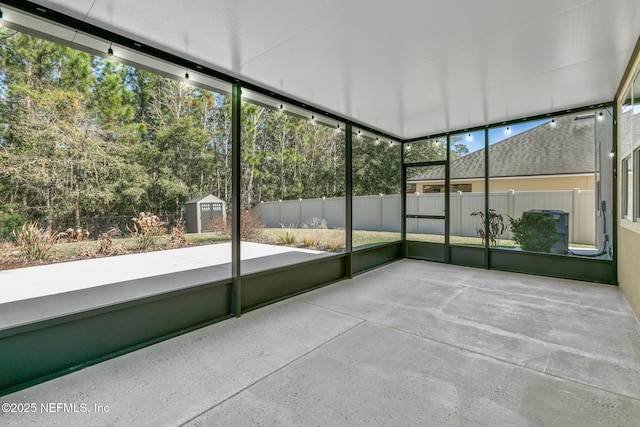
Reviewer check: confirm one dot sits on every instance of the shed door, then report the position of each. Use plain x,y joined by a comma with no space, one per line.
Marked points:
208,213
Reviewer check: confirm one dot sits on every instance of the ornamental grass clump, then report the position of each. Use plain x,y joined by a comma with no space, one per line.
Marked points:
308,242
288,237
35,243
314,224
334,240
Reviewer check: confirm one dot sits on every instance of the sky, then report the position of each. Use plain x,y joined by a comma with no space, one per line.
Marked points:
497,134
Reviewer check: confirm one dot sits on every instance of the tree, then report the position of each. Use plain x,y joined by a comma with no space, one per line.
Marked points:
83,136
435,149
45,86
376,167
111,100
60,162
182,157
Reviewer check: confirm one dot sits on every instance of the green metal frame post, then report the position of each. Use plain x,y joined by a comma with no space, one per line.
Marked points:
403,204
614,184
236,111
348,160
486,198
447,200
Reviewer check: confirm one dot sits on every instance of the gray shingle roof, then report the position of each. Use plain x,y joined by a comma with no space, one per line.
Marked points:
566,147
207,199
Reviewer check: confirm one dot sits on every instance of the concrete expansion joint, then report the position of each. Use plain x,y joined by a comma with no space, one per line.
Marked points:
474,285
468,350
453,297
272,373
554,301
333,310
497,359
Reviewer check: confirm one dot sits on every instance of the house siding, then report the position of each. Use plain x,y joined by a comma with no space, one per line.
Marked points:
628,235
543,184
586,182
629,267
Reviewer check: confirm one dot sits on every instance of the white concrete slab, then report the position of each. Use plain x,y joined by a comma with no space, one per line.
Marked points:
580,331
174,381
411,343
33,282
379,376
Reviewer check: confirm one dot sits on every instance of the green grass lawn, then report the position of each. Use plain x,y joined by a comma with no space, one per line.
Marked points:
363,238
457,240
336,236
319,239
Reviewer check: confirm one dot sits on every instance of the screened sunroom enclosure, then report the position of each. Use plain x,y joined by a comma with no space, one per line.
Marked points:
312,196
556,167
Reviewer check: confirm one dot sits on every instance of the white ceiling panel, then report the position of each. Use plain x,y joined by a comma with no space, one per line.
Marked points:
407,67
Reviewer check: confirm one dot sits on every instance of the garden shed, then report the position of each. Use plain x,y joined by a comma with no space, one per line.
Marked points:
201,213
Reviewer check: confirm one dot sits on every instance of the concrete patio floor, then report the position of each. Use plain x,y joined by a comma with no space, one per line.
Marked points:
411,343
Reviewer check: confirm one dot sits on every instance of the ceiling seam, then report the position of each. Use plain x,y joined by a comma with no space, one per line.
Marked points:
89,11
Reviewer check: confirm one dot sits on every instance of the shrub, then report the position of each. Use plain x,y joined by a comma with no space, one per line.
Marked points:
315,223
178,238
118,250
85,252
147,228
536,233
35,243
75,234
104,244
9,222
250,225
220,225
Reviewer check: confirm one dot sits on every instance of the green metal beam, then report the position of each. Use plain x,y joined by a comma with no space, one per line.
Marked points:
236,111
403,203
348,160
614,183
486,199
447,200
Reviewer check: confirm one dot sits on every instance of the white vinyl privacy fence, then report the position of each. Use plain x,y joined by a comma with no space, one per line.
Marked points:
382,212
